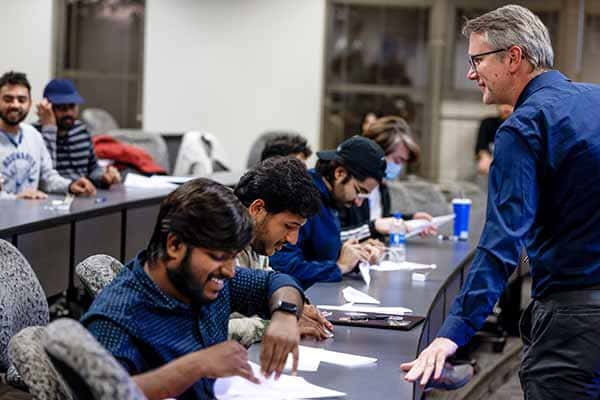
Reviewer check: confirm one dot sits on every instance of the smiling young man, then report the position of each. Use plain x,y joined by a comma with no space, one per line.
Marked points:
67,138
280,196
344,177
165,317
25,164
544,194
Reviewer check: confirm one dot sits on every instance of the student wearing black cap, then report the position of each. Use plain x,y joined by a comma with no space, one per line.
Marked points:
344,177
67,138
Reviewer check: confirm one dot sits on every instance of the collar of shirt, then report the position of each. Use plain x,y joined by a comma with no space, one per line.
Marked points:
548,78
16,140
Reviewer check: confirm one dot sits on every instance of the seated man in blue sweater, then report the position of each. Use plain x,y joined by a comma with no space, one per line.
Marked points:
165,316
344,177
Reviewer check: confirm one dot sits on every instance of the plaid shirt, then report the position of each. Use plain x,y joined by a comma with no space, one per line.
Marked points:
144,328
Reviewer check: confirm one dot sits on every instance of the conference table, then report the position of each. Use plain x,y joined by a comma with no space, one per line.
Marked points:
431,298
118,222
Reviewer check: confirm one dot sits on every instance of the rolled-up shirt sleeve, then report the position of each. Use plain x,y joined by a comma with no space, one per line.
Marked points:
513,193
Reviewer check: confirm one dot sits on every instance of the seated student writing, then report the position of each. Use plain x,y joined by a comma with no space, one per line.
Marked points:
343,177
165,316
280,196
374,216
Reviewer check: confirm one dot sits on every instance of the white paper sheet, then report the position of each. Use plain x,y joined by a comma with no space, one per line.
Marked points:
365,272
345,359
140,181
387,266
287,387
178,180
416,226
356,296
309,359
366,308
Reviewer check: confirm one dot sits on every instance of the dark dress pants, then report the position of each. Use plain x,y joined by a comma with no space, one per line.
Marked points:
561,355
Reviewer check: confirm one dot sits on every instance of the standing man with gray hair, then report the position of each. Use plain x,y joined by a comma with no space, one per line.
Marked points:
544,194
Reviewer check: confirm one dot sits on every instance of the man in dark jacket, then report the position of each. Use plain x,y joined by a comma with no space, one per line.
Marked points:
344,177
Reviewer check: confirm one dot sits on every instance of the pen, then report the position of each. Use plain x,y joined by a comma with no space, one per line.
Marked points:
100,200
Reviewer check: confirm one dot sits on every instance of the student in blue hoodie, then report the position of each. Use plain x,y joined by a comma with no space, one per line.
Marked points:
344,177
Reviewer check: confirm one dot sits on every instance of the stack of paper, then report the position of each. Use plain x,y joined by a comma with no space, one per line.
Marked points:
177,180
287,387
403,266
416,226
356,296
140,181
368,309
309,359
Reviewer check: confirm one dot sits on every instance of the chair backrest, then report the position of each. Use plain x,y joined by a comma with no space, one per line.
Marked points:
86,365
26,351
413,196
152,142
22,299
200,154
97,271
98,121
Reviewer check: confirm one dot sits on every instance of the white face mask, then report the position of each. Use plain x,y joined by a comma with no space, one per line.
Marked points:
392,170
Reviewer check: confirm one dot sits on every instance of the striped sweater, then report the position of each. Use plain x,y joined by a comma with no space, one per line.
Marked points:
73,154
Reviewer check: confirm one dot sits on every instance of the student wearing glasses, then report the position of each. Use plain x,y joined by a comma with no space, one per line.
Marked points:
373,217
344,178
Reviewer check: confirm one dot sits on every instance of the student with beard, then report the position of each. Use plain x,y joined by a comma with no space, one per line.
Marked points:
67,138
165,316
25,165
344,178
374,217
280,196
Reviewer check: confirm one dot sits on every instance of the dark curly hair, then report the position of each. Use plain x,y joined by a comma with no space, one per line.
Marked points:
201,213
286,144
283,184
14,78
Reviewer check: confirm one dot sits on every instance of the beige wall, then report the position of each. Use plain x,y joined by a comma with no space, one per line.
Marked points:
26,32
234,68
458,132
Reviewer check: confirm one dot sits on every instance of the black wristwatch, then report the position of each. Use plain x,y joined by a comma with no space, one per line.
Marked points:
286,307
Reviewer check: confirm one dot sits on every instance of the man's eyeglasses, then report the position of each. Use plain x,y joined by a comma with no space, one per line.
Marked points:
361,192
475,59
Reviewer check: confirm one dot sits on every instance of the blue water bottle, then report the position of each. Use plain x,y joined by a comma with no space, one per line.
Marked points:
398,239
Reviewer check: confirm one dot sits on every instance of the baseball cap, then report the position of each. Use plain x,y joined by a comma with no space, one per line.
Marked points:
360,155
62,91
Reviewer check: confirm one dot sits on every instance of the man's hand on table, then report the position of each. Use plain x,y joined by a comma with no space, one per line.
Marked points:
281,338
313,324
430,361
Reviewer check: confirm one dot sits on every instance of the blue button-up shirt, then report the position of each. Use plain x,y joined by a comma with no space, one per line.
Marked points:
144,328
544,194
314,256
